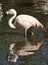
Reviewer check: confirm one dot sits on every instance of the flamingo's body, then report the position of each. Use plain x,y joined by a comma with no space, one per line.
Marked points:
25,21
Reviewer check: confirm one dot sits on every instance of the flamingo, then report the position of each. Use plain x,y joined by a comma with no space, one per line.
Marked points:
22,21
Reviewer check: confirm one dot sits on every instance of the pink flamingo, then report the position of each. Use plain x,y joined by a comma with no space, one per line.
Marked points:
24,21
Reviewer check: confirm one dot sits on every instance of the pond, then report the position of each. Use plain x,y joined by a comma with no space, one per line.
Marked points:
14,49
36,50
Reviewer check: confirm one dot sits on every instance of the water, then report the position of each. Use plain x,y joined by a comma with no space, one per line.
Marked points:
39,47
35,51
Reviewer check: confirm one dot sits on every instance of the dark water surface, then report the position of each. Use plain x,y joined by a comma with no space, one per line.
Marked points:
40,56
39,40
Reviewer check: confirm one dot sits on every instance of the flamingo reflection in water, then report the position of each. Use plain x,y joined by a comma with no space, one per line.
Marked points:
27,49
22,21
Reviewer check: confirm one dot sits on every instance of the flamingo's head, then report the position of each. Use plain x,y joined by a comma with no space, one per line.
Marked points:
11,12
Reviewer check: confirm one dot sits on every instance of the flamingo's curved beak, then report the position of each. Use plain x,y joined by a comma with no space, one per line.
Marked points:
7,12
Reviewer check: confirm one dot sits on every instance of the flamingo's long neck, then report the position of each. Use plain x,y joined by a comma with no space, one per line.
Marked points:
11,20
